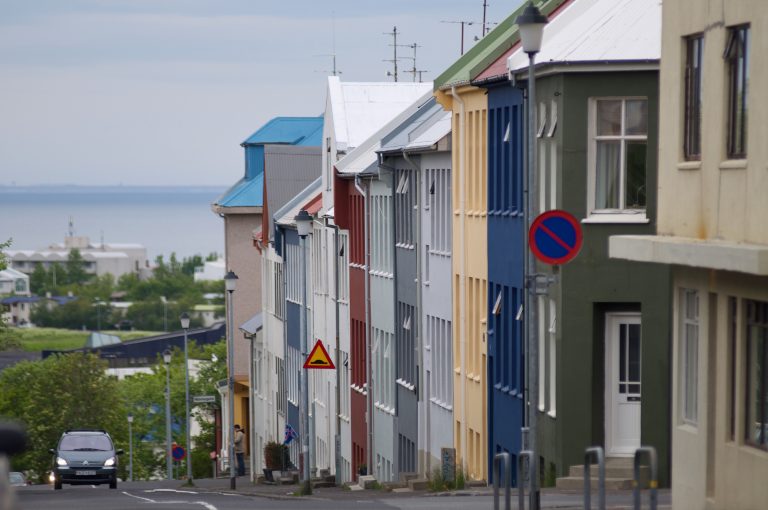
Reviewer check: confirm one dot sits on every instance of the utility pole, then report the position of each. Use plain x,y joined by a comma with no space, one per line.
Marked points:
485,9
462,23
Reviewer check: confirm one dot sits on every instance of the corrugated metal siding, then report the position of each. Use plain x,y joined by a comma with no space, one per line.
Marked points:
289,169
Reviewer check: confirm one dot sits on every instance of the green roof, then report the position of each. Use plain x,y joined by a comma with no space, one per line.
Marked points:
488,49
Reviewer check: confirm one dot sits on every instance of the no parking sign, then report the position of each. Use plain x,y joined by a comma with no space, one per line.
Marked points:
555,237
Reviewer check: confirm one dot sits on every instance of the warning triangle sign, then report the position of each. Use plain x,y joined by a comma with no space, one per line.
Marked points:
319,358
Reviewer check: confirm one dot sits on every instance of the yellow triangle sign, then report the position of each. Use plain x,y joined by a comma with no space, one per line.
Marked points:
319,358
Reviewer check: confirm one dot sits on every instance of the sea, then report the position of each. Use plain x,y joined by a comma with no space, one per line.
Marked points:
163,219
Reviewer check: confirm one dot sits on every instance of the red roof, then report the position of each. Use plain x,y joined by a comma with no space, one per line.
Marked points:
314,205
499,66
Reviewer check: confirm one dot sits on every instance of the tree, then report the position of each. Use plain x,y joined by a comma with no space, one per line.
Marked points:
38,280
56,394
8,338
75,267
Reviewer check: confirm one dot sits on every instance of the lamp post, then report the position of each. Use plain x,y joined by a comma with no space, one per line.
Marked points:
230,282
169,458
304,225
531,27
130,447
184,318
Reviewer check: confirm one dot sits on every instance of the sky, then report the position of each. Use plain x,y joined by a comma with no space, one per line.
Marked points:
162,92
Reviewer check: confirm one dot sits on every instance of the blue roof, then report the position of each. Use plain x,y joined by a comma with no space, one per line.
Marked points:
63,300
246,193
302,131
19,299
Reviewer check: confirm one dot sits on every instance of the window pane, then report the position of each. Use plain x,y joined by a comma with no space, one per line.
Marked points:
635,198
608,165
634,353
608,118
637,117
622,352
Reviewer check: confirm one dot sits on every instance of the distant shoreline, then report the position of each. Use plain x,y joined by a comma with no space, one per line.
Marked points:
80,188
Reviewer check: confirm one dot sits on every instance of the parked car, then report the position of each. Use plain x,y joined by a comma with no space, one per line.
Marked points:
85,457
17,479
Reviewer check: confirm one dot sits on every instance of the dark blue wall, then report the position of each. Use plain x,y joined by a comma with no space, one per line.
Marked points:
505,271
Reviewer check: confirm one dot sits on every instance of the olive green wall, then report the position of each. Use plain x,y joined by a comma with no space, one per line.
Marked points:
593,284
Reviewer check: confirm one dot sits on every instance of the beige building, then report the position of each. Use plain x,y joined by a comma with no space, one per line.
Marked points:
713,183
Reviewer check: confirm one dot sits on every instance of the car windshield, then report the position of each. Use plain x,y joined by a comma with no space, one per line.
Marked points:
17,477
85,443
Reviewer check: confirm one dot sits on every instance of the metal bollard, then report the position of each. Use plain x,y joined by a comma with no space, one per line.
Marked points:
497,460
597,452
524,454
653,483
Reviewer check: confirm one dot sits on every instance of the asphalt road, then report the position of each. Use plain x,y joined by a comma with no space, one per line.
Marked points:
148,496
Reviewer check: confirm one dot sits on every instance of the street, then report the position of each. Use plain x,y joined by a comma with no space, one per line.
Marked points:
148,494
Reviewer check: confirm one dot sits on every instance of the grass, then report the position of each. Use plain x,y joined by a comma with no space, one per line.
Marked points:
438,484
39,339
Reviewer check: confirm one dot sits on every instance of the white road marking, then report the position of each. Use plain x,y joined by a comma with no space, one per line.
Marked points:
171,490
207,506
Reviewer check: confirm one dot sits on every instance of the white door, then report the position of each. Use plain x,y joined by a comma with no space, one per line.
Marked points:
622,383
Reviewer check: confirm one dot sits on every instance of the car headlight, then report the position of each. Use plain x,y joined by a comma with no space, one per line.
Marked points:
61,462
110,462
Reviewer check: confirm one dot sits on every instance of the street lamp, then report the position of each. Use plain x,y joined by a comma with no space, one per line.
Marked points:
531,27
304,225
130,447
230,282
169,458
184,318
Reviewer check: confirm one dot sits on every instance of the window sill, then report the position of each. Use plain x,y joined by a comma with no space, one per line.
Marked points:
734,164
597,218
440,403
689,165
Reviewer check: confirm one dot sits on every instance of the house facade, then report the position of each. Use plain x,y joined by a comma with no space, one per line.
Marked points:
712,157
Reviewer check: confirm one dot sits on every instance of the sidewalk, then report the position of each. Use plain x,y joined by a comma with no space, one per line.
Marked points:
550,497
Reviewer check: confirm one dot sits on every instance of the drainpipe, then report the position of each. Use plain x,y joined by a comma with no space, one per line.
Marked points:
419,343
462,278
368,371
337,437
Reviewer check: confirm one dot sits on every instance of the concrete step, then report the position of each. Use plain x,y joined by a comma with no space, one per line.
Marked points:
610,472
418,484
402,489
475,484
322,484
355,487
391,486
406,477
576,483
367,481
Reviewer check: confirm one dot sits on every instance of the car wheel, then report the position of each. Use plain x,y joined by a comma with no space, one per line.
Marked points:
113,484
57,485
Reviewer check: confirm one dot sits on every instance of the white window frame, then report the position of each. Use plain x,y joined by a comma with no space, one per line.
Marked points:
620,215
689,368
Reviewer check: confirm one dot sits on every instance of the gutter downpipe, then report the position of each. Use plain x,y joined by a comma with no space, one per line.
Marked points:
337,437
368,371
419,343
462,277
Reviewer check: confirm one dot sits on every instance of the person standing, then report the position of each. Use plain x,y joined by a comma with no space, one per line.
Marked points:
240,450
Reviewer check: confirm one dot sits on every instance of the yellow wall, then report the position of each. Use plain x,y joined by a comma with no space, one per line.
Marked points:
469,177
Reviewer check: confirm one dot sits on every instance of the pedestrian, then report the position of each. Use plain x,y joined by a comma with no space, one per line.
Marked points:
240,450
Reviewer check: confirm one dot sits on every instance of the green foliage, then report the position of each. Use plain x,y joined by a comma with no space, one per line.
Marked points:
3,258
75,268
40,339
9,339
437,483
59,393
460,479
276,455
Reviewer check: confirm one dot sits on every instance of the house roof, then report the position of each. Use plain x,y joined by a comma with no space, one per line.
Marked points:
252,325
487,50
360,108
599,31
12,274
363,158
302,131
422,131
245,193
12,300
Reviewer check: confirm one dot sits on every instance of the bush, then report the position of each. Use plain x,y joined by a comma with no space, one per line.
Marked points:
276,455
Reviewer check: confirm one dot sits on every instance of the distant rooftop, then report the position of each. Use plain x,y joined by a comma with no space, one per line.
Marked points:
302,131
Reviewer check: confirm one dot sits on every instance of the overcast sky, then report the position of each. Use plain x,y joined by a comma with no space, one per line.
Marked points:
143,92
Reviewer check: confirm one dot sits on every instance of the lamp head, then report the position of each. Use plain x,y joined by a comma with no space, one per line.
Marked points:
230,281
184,318
531,26
167,356
130,418
303,223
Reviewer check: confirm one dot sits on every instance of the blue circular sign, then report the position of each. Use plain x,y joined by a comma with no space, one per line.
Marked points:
178,453
555,237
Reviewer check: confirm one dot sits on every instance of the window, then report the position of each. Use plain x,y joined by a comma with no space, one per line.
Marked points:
405,202
294,274
756,419
618,154
692,136
343,267
736,54
279,290
439,201
689,356
438,336
406,355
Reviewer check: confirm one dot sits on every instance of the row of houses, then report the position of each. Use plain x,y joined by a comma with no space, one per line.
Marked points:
653,335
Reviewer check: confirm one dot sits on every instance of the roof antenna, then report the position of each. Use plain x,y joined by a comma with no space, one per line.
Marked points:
71,231
393,33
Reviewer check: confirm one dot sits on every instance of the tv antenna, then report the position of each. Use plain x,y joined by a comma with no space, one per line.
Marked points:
393,33
334,71
413,70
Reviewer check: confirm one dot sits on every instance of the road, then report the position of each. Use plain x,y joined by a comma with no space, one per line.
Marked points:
153,495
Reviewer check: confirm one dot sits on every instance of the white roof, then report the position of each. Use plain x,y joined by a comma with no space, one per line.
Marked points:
11,274
599,31
363,156
433,134
360,108
286,215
